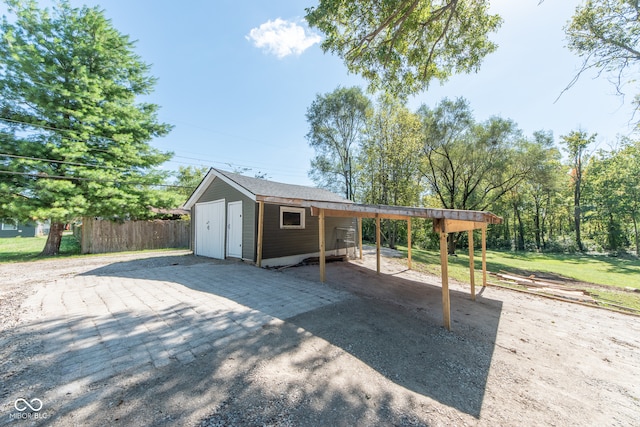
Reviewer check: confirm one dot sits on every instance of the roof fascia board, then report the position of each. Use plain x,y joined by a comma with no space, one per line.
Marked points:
200,189
276,200
208,180
405,211
235,185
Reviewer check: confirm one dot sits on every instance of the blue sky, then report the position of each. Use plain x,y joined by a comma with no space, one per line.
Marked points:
235,79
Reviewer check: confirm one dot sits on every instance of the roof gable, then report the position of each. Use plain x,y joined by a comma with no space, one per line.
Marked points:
253,187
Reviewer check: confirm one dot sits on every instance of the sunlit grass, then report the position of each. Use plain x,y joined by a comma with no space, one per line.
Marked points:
19,249
599,269
15,249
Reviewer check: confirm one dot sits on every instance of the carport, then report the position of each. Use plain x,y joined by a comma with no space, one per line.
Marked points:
445,221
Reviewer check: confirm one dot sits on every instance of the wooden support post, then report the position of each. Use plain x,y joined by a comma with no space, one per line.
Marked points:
321,238
446,304
260,232
472,270
484,255
409,243
377,243
360,236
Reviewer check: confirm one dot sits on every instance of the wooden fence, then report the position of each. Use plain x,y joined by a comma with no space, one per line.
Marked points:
101,236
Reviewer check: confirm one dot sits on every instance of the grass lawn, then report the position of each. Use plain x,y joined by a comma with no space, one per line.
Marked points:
598,269
616,272
16,249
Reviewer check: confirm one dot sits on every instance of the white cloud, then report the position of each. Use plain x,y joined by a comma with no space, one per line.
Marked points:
283,38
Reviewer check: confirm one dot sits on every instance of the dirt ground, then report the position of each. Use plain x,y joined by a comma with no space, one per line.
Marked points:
380,358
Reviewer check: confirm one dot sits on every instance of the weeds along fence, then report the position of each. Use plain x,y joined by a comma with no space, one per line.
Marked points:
102,236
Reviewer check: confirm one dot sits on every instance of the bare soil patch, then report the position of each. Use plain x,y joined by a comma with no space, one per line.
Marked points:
381,358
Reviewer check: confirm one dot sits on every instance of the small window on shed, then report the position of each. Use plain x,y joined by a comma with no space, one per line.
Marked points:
9,225
292,218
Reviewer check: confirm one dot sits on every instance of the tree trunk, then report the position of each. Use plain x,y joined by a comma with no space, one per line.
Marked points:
520,241
635,229
392,234
452,242
576,220
537,225
507,230
52,247
576,213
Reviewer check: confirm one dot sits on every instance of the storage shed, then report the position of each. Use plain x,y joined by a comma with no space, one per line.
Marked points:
266,222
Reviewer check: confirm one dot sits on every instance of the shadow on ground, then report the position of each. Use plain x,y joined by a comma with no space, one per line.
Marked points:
391,326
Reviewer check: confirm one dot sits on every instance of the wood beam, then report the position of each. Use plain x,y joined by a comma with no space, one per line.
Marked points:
378,244
484,256
398,212
283,200
260,232
409,243
446,303
349,214
472,271
321,238
360,236
453,225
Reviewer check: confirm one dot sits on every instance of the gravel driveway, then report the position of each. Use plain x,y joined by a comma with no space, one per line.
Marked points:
172,339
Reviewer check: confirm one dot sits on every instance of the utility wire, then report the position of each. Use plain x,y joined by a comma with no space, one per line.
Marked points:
206,162
77,178
63,162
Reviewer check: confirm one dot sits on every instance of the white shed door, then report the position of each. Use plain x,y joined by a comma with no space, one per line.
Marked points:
234,229
210,222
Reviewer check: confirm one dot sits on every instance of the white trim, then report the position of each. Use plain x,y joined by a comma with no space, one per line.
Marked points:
294,259
207,181
301,211
229,225
10,226
235,185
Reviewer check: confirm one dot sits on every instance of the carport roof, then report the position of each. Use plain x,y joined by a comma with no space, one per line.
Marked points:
403,212
261,189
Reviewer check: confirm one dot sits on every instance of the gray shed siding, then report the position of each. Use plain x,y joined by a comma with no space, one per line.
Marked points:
281,243
221,190
23,230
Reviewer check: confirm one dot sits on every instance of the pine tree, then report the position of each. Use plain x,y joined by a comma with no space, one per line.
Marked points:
74,141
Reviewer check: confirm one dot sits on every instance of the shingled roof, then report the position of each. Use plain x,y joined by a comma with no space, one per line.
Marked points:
255,188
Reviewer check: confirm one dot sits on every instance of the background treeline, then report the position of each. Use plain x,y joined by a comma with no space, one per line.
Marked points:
554,195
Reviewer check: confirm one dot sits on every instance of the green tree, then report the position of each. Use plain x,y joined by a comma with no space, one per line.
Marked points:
606,34
187,179
630,166
603,195
337,121
469,165
400,46
543,183
577,143
389,160
612,189
74,139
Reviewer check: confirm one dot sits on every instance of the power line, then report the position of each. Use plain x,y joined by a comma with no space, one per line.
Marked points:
45,127
64,162
77,178
205,161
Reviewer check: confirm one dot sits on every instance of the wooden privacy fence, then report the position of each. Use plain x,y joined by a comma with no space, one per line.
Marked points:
101,236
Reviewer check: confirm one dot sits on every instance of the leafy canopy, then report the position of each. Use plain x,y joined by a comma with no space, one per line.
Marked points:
337,121
73,138
470,165
400,46
606,34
